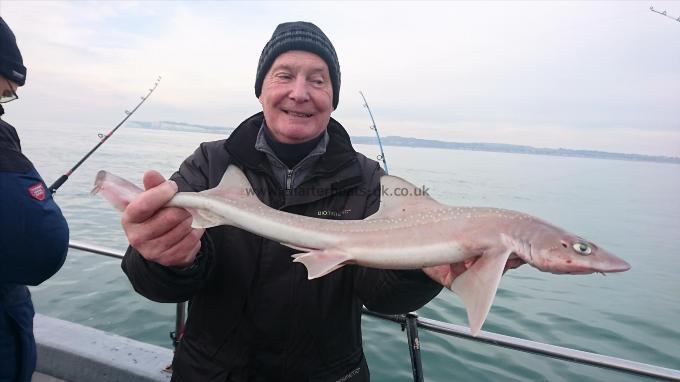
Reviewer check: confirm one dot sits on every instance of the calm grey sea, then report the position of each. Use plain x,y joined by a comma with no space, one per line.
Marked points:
630,208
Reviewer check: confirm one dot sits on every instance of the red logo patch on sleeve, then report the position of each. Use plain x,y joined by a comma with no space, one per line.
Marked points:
37,191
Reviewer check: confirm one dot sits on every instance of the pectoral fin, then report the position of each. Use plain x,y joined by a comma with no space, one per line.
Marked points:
205,219
477,287
322,262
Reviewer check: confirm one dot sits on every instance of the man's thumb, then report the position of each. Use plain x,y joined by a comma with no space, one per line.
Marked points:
152,179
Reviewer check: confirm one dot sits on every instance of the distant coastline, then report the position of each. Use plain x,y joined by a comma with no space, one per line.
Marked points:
513,149
181,126
431,143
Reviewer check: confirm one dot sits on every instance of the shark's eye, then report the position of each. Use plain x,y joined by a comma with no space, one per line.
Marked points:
582,248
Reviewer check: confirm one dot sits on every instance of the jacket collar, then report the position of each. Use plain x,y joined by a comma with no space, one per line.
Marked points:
335,171
241,146
262,144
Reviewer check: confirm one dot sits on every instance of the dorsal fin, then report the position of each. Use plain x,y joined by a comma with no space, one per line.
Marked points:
234,177
233,183
235,186
399,197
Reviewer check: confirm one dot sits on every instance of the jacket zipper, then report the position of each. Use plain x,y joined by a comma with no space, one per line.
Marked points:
289,179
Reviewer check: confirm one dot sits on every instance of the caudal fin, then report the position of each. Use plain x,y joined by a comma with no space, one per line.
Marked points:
118,191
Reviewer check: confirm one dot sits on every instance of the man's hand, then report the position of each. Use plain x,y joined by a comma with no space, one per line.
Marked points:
160,234
445,274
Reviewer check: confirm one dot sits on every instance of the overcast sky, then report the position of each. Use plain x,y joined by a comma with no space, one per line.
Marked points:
591,75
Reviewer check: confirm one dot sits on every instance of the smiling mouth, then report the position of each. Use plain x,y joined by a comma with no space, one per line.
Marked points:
296,114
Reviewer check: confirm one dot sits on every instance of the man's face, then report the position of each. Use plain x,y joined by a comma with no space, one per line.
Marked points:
297,97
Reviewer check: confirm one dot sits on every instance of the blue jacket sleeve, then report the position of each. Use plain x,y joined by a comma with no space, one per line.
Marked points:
33,231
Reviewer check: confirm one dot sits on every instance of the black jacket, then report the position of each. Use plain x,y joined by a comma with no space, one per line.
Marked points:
253,315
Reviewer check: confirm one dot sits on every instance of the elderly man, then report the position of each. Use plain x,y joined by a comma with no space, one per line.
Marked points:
253,315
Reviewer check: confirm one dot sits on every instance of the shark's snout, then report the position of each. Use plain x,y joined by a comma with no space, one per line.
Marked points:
609,263
616,265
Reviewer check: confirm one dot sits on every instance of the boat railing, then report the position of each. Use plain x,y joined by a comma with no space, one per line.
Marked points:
411,322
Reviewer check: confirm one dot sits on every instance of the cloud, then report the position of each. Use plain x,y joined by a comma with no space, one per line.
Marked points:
522,71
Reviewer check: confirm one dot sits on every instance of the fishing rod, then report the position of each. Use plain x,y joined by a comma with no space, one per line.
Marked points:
664,14
103,138
410,320
377,134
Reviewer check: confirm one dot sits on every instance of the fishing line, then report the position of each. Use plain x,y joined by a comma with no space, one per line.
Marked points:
102,138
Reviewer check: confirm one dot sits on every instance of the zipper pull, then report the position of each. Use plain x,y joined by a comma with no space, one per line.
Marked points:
289,179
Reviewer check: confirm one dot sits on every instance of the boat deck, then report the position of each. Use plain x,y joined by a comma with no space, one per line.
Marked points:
40,377
69,352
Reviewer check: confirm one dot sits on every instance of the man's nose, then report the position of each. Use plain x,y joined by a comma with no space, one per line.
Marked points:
299,92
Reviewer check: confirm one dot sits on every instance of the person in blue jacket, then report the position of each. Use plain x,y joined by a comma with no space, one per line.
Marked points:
33,231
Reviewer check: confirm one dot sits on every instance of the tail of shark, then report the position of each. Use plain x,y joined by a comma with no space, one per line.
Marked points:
118,191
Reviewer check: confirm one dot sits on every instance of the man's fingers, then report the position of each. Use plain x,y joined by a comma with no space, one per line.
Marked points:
513,263
152,179
148,202
165,220
184,252
162,235
446,274
161,241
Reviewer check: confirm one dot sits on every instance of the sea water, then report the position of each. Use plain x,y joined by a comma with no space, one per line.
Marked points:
630,208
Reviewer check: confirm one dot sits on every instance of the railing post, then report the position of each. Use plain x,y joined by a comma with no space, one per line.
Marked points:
411,327
179,324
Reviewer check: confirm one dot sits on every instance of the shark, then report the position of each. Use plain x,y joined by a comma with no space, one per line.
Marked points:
411,231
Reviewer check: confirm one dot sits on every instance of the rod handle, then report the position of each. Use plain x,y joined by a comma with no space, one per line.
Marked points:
53,188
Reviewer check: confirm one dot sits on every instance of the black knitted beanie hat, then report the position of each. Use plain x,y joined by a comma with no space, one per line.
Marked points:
11,64
299,35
